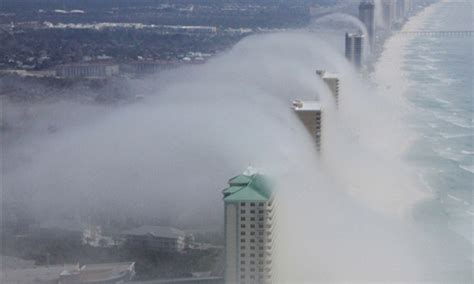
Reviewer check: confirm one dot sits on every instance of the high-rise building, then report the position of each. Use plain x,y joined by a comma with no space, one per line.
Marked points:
310,114
387,13
399,10
249,219
354,48
409,5
366,16
332,81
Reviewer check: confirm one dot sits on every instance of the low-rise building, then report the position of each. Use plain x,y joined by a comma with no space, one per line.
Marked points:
104,273
155,238
87,70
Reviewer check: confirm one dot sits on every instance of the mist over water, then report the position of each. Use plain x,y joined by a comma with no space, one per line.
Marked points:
343,215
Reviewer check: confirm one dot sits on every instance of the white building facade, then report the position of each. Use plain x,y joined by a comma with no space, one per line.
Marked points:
332,81
310,114
249,221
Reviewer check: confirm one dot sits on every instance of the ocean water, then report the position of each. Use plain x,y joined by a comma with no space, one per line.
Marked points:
434,75
439,73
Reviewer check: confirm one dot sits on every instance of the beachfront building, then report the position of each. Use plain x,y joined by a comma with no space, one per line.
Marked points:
400,10
310,114
155,238
355,48
332,81
387,13
366,16
249,220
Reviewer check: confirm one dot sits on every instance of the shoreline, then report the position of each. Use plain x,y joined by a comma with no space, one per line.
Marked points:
394,50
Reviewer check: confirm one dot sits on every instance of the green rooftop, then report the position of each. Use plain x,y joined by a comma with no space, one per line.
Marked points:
247,188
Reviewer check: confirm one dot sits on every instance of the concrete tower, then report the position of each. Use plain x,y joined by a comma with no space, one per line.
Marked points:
387,13
249,218
354,49
332,81
310,114
366,16
400,11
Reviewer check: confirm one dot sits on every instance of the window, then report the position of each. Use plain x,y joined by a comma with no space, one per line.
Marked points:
242,225
252,240
242,269
252,233
261,204
260,226
252,204
252,225
242,203
261,218
252,219
242,247
252,255
242,262
242,240
260,211
252,248
242,233
242,211
242,255
252,211
242,218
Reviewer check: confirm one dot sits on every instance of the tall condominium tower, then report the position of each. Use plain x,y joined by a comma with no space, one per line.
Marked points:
332,81
400,9
366,16
354,48
310,114
249,218
387,13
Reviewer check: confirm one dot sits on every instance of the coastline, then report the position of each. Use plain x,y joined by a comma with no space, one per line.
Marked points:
388,68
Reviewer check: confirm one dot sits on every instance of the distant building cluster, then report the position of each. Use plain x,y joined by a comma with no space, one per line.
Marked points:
394,14
395,11
89,70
